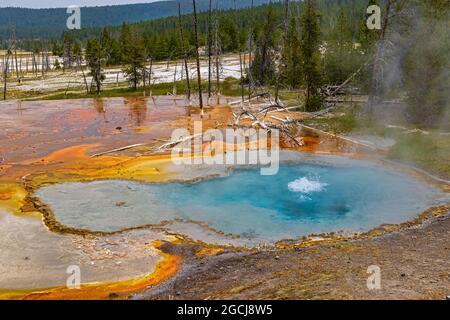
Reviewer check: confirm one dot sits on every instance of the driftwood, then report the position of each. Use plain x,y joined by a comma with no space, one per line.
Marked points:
291,136
285,121
239,117
166,145
260,122
170,144
322,112
409,131
338,136
273,107
117,150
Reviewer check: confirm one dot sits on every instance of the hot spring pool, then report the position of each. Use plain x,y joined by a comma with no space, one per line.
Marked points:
319,194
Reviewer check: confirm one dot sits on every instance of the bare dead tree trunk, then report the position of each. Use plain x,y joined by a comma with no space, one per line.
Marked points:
250,46
14,47
84,77
150,77
174,89
217,64
186,69
46,60
42,64
144,76
33,64
197,54
241,67
5,75
209,49
375,94
283,62
242,75
16,64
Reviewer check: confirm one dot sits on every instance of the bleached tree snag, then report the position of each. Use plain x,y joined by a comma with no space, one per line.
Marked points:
273,107
217,63
42,65
245,112
209,49
174,89
14,44
34,65
183,47
20,64
282,64
150,78
118,149
250,47
84,75
5,74
170,144
242,76
260,115
322,112
285,121
197,54
16,65
261,123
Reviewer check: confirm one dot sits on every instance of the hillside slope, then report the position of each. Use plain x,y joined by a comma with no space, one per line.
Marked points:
50,23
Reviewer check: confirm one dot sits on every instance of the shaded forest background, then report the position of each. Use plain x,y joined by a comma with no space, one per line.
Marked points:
50,23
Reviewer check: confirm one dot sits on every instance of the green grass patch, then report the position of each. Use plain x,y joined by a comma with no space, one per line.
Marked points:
430,152
342,120
231,87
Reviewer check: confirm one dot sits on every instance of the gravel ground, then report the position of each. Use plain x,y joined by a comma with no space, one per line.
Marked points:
414,264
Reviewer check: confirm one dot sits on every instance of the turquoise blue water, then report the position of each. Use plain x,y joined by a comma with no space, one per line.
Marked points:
304,198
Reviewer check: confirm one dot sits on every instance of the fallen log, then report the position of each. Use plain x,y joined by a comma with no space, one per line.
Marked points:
118,149
274,107
322,112
333,135
334,92
266,126
285,121
174,143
